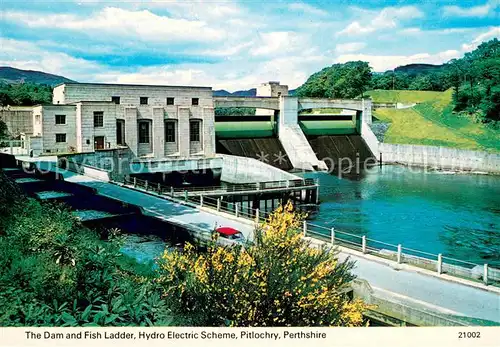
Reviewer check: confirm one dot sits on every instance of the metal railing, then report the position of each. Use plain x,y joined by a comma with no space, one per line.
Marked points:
269,185
397,253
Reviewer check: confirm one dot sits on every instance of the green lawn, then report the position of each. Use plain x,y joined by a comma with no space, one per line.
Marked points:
433,123
403,96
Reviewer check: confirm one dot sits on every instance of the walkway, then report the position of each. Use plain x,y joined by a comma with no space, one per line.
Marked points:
446,297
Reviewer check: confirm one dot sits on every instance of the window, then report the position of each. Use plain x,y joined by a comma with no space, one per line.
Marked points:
115,99
60,137
143,100
170,101
120,132
98,119
195,101
60,119
194,131
170,131
143,132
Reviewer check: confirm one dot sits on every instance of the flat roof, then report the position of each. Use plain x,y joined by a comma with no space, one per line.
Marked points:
128,85
54,105
91,102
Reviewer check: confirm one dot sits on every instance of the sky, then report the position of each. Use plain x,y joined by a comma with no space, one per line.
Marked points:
234,45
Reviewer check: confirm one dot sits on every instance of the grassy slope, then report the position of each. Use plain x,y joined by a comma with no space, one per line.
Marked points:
433,123
403,96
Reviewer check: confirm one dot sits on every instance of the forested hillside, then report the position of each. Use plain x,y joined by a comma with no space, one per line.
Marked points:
475,80
10,75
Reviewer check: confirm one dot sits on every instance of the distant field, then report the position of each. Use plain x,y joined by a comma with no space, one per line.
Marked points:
433,123
403,96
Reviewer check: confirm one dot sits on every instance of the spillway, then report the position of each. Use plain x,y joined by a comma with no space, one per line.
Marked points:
270,147
342,150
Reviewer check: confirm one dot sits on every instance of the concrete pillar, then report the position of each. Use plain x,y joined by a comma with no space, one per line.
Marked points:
289,110
131,129
304,228
366,104
218,204
208,131
201,200
332,235
237,209
183,127
257,217
485,275
135,182
158,132
440,264
399,254
363,244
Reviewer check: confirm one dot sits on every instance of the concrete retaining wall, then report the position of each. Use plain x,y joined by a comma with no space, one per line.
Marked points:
440,157
248,170
376,105
370,139
115,161
401,308
179,165
96,173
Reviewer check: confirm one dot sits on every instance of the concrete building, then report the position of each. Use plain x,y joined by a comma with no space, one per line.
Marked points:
153,121
270,89
18,119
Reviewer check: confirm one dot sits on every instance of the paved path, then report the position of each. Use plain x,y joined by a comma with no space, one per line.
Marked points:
444,296
166,210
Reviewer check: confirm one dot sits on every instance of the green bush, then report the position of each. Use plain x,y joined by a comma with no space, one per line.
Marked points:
56,272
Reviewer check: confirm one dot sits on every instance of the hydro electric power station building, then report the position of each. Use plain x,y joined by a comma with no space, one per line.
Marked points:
153,121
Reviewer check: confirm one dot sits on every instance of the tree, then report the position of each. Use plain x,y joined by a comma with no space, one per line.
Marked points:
279,280
25,94
349,80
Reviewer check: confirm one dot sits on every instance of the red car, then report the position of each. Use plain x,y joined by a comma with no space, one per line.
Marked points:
230,234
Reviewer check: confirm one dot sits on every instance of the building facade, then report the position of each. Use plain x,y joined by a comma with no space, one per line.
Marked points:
153,121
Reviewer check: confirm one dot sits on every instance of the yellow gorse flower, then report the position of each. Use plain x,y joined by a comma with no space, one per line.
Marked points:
278,280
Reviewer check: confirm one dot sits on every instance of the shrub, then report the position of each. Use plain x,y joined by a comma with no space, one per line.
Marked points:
279,280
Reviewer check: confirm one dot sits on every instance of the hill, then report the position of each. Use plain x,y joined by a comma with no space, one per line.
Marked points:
10,75
432,122
417,69
403,96
250,92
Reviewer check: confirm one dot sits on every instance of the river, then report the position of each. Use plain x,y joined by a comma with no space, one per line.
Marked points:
457,215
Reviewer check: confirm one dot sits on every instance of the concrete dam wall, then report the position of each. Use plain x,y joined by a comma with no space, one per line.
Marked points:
440,157
341,150
270,147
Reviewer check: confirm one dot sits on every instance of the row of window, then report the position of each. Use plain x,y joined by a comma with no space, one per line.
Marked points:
98,119
170,129
144,132
143,100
